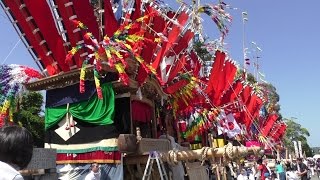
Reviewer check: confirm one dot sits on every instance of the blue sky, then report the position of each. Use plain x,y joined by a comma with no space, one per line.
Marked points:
287,32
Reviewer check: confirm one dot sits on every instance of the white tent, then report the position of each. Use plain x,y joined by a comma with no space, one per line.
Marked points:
316,156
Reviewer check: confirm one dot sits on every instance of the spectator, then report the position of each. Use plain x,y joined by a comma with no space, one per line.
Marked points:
243,175
280,171
302,169
94,173
291,174
263,169
317,167
16,147
311,165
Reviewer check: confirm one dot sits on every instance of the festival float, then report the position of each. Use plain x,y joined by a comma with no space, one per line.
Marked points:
126,78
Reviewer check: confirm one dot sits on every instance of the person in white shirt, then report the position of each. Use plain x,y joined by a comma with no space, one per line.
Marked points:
243,175
292,174
94,173
16,148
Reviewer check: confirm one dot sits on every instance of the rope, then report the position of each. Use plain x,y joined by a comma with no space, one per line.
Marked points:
204,153
14,47
172,157
229,151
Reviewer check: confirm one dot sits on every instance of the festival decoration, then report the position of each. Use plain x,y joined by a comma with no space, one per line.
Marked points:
161,43
12,78
113,51
218,15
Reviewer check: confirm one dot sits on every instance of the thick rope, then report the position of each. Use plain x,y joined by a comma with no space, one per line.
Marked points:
172,157
204,153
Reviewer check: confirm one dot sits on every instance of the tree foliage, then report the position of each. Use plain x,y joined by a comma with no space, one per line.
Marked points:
272,105
29,115
201,51
295,132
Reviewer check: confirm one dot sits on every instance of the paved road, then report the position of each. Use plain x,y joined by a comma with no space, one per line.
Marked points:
314,178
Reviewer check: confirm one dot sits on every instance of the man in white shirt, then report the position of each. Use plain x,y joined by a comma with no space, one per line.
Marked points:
95,173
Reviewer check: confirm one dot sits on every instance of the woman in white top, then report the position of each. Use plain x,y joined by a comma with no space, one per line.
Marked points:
16,147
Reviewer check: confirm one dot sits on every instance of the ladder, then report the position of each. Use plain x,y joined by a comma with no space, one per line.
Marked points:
154,155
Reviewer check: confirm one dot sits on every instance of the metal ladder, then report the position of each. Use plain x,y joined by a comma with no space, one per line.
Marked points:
162,171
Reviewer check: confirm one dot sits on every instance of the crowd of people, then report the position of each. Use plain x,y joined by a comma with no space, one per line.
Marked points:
16,147
299,169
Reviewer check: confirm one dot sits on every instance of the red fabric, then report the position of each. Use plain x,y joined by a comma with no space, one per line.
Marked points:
146,54
182,126
232,93
245,95
141,112
177,68
135,15
215,73
26,28
137,12
90,157
42,15
261,120
158,24
279,132
252,110
171,14
274,130
231,71
196,100
244,99
73,38
225,79
172,36
196,64
282,132
256,107
85,14
268,124
110,22
183,42
176,86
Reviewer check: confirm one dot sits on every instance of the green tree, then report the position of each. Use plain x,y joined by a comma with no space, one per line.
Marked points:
295,132
202,52
29,115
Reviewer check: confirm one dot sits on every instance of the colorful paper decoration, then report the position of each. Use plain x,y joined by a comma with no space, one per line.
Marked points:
12,78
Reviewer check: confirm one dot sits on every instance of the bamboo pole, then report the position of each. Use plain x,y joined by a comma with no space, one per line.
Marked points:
278,155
